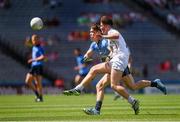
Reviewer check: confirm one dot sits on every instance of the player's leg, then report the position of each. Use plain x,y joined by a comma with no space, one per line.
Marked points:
29,81
38,80
101,68
129,81
117,96
117,72
77,79
116,76
105,80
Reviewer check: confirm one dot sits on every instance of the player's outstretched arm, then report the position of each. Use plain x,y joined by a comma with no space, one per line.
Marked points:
111,36
42,57
87,56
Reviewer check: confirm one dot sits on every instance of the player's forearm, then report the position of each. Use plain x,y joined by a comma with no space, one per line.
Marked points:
111,36
88,54
39,58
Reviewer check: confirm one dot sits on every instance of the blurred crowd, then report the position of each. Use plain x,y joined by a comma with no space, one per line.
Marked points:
78,36
5,4
52,22
170,9
164,4
97,1
119,19
52,3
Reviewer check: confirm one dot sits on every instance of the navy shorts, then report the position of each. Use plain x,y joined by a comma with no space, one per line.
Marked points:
83,75
36,70
126,72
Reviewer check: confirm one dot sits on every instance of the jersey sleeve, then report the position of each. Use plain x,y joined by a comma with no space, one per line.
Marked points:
41,51
113,31
92,47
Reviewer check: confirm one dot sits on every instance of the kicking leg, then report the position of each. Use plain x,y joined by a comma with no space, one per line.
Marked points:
129,81
97,69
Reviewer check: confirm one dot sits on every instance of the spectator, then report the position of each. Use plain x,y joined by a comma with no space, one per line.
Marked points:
78,36
5,4
55,3
174,19
81,67
54,22
59,83
178,67
145,71
166,66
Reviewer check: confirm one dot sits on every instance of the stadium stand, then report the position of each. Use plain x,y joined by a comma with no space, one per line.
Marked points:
149,43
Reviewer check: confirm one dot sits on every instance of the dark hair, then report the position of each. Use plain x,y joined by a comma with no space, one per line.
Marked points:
96,27
106,20
78,49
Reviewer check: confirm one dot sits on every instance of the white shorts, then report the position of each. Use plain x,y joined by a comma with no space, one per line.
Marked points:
119,62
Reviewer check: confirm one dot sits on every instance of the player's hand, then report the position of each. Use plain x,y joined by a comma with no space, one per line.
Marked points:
87,60
30,61
76,68
105,58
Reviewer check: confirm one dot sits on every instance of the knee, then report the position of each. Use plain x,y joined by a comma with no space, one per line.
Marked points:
93,70
113,86
28,79
27,82
99,87
133,87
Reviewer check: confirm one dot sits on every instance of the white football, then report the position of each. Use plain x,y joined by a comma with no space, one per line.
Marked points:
36,23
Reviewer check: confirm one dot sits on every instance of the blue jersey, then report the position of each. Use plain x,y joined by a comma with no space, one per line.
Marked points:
83,70
36,52
101,47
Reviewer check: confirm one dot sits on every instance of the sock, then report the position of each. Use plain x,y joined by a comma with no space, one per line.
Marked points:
131,100
98,105
36,93
40,97
79,87
153,84
116,93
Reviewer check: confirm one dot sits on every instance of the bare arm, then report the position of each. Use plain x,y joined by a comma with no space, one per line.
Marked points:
39,58
111,36
36,59
88,54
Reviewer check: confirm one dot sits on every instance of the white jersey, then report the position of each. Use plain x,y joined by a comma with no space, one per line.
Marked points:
118,46
119,52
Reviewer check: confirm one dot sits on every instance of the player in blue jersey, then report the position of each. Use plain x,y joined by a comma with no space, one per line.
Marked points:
35,73
127,78
81,66
102,47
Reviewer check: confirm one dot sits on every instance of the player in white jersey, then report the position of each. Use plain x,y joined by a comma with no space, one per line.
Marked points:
127,77
103,68
120,54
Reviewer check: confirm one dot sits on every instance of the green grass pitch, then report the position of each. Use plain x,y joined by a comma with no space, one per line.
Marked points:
69,108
